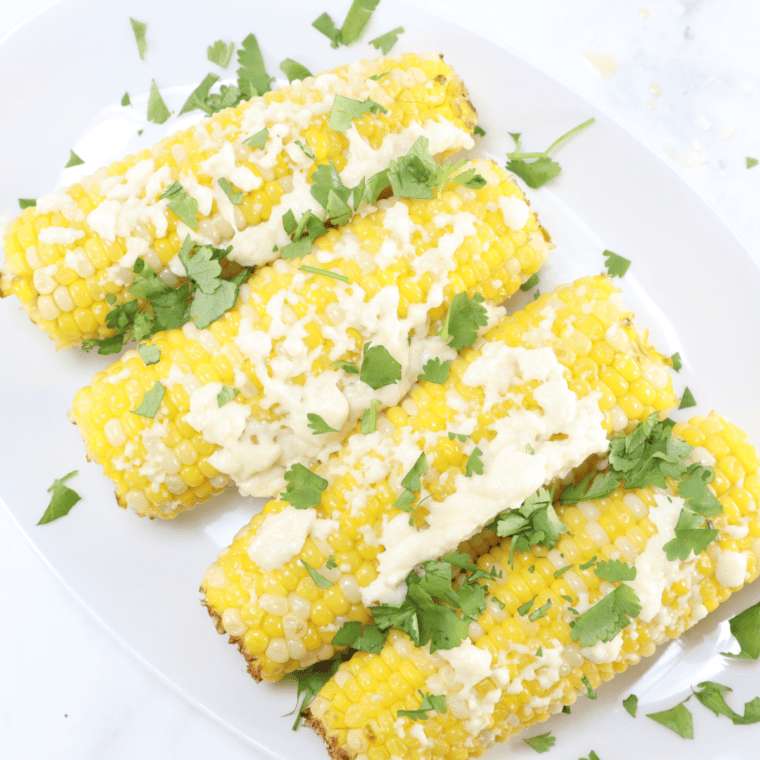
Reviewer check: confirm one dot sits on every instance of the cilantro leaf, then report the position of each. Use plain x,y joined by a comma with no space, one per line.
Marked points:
429,702
710,694
27,203
542,611
474,463
592,754
590,693
465,315
74,160
318,425
369,418
319,579
304,488
530,283
62,500
542,742
677,719
559,573
294,70
676,359
158,113
459,436
385,42
534,522
631,704
220,53
751,162
356,20
608,616
326,25
435,371
349,367
480,131
325,273
616,265
226,395
202,266
587,565
151,401
379,368
139,29
235,197
745,627
688,400
414,174
310,682
614,570
184,206
252,77
125,101
524,609
149,354
345,110
307,150
258,140
536,169
350,634
331,564
412,481
198,98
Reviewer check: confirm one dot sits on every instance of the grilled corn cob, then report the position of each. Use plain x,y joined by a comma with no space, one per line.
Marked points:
282,620
279,345
79,244
513,672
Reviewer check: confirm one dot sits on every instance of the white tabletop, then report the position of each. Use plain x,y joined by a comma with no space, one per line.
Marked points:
687,81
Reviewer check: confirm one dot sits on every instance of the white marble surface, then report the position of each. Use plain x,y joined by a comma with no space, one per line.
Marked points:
687,83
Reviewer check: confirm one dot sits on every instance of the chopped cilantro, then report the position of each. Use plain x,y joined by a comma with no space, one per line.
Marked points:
139,29
370,639
530,283
318,425
529,449
252,77
199,97
435,371
226,395
378,77
158,113
125,101
184,206
151,401
631,704
385,42
304,488
540,612
74,160
310,682
356,20
325,273
369,418
303,233
536,169
412,481
688,400
258,140
62,500
542,742
608,616
319,579
429,702
751,162
235,197
676,359
614,570
559,573
677,719
331,564
590,693
524,609
459,436
480,131
745,627
379,368
567,711
220,53
327,26
149,354
349,367
294,70
710,694
616,265
587,565
345,110
540,652
465,315
532,569
27,203
592,755
307,150
474,463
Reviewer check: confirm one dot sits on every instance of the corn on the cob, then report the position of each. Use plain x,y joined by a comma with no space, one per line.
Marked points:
282,620
278,347
522,671
79,244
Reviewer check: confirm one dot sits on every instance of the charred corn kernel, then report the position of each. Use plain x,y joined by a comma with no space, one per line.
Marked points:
278,347
364,477
515,686
95,229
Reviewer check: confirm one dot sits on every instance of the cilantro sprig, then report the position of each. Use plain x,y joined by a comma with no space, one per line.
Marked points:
429,702
62,500
541,743
304,488
745,628
464,317
353,26
536,169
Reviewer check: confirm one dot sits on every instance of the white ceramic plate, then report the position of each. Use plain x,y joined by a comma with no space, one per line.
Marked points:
64,74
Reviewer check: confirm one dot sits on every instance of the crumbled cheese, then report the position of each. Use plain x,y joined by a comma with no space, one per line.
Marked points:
731,568
280,537
59,235
515,212
602,652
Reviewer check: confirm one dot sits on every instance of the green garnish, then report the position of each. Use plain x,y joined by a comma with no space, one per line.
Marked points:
27,203
62,500
149,354
331,564
524,609
318,425
751,162
302,233
676,359
614,570
74,160
151,401
677,719
379,368
139,29
385,42
258,140
318,578
606,618
304,488
590,693
200,98
536,169
158,113
429,702
371,639
125,101
540,612
235,197
325,273
631,704
592,755
587,565
378,77
307,150
530,283
710,694
465,315
413,479
745,627
294,70
435,371
559,573
474,463
356,20
459,436
616,265
220,53
349,367
310,682
480,131
345,110
184,206
688,400
369,418
252,77
542,742
226,395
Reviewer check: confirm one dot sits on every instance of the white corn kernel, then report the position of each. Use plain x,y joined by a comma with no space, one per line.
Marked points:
233,622
274,605
277,651
47,308
114,432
